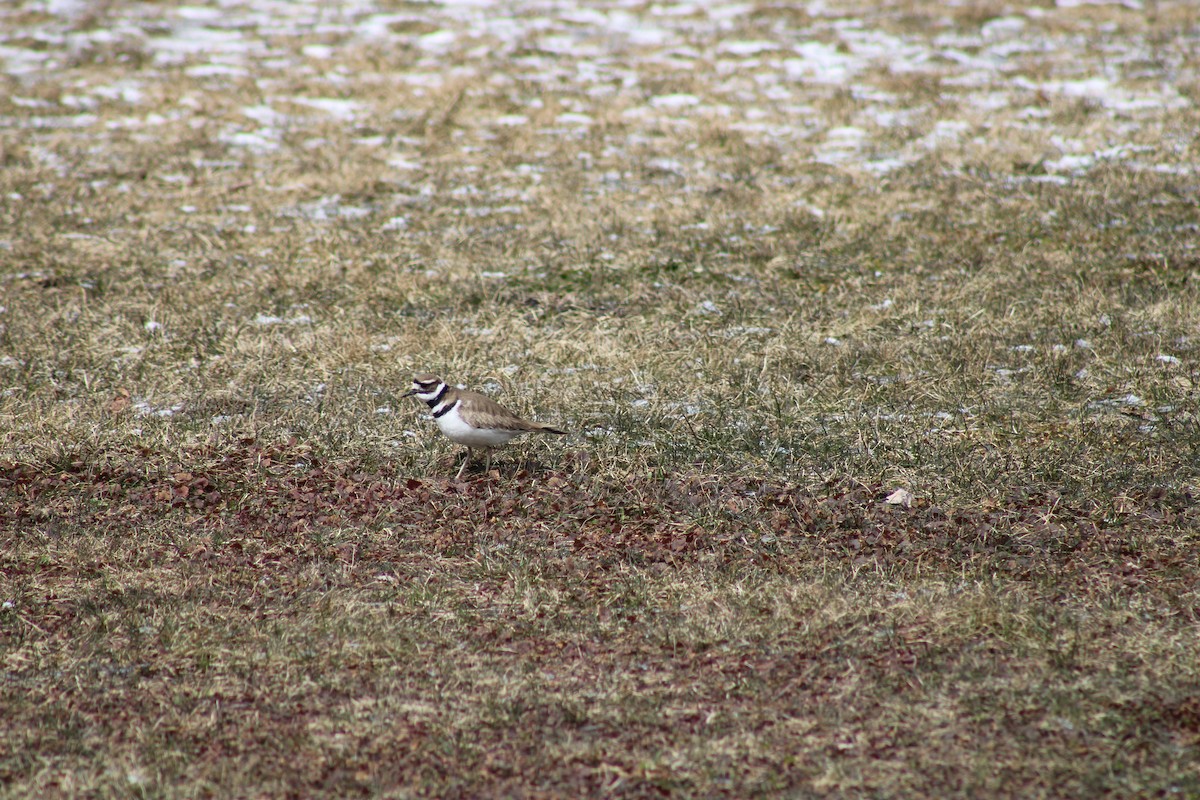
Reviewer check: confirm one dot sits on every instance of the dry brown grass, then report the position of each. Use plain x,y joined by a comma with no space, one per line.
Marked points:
233,563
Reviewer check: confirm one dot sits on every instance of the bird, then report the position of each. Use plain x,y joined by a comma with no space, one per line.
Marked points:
472,419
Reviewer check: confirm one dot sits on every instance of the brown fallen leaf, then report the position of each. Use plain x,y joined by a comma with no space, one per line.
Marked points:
119,402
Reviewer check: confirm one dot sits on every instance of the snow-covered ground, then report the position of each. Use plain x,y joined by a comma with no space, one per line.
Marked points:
1050,91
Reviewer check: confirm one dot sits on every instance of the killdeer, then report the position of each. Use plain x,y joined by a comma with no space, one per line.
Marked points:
471,418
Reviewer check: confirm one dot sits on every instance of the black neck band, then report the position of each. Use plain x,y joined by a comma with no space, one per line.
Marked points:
440,395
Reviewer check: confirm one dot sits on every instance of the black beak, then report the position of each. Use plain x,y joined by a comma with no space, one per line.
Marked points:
409,393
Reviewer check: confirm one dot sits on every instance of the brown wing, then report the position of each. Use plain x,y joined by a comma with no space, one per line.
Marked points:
487,413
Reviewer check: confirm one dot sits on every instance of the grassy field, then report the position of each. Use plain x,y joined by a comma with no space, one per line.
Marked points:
768,263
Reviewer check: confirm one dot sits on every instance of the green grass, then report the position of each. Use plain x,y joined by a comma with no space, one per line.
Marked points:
233,561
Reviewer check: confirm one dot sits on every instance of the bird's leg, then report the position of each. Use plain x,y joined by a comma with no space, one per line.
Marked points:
463,468
488,463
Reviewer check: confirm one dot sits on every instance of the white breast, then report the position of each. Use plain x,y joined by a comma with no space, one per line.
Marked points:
457,430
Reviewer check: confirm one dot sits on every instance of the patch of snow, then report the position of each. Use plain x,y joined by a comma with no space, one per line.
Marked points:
346,110
674,102
818,62
746,48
